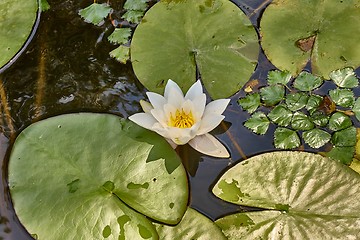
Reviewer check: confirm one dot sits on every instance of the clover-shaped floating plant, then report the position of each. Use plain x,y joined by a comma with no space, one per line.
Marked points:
296,109
184,119
131,14
299,195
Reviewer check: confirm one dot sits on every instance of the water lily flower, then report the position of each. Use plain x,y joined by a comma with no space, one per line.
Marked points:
184,119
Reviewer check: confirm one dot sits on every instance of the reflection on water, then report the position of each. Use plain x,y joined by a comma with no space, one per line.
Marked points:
67,68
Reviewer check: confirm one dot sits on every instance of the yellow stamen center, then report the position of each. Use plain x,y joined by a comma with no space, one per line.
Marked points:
182,119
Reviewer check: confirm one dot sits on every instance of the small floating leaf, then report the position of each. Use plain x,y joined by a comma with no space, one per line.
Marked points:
278,77
250,103
296,101
342,97
272,95
344,138
307,82
258,123
121,54
281,115
138,5
192,226
133,16
44,5
339,121
90,163
356,109
342,154
301,121
120,36
306,196
189,39
95,13
135,10
313,103
320,119
344,78
316,138
285,138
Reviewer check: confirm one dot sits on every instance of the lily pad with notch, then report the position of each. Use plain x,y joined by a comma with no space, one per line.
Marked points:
323,32
304,196
18,24
189,39
94,175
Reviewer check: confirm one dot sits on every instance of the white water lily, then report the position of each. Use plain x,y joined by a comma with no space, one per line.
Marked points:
184,119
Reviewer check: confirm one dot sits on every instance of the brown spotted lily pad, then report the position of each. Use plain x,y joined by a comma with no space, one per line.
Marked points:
325,32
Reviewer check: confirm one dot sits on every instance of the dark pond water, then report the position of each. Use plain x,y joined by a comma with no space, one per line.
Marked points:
67,68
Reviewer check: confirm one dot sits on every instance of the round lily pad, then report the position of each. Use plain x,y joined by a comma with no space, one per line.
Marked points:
325,32
305,196
91,175
177,37
17,18
194,225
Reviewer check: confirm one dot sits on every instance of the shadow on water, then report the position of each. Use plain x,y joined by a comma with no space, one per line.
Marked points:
67,68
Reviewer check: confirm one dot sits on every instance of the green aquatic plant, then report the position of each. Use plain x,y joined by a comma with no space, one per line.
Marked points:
93,175
190,41
134,10
299,195
324,32
299,111
17,20
193,225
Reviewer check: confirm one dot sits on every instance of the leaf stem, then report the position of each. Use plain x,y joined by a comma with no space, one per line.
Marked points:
236,145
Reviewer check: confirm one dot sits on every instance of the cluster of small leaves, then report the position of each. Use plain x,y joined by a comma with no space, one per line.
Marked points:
44,5
134,11
296,110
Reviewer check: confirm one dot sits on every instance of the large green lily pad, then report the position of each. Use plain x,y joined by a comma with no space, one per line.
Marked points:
194,225
17,18
88,175
306,196
324,31
175,37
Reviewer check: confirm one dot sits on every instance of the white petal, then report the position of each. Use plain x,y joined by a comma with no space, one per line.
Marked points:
160,130
146,106
217,106
172,144
181,136
209,122
194,91
175,98
144,120
172,85
160,116
209,145
169,111
199,106
188,106
156,100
